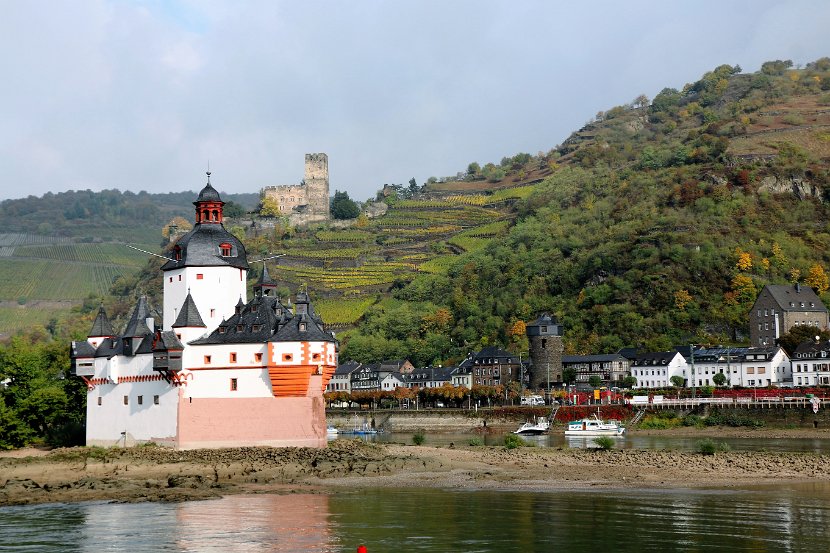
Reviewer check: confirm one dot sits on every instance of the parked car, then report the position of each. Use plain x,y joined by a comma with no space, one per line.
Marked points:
532,400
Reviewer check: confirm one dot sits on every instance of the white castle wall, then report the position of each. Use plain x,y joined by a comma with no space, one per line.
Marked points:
216,293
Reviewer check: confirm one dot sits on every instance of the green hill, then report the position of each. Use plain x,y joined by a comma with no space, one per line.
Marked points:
654,224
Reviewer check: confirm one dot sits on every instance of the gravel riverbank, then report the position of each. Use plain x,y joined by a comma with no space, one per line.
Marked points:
159,474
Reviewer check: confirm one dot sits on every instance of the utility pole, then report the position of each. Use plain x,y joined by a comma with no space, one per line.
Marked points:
547,390
692,350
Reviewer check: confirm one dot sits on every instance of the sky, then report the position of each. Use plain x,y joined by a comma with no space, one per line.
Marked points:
144,95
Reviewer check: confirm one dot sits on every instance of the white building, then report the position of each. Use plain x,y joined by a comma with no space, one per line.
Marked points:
811,364
752,367
220,371
655,370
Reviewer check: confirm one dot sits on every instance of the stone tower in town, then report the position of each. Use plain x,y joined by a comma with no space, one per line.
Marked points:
317,183
545,338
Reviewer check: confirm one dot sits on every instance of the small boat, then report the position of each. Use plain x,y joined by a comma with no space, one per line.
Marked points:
363,429
594,426
331,430
541,426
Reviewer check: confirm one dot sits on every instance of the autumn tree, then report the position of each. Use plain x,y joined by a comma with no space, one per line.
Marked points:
818,279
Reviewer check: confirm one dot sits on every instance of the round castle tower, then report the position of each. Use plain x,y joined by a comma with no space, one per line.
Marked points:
546,347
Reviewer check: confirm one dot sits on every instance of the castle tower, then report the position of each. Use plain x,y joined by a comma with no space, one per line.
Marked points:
209,263
546,347
317,183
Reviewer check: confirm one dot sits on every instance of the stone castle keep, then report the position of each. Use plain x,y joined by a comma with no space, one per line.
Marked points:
308,201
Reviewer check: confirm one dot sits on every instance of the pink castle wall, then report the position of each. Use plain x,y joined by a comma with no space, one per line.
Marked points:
265,421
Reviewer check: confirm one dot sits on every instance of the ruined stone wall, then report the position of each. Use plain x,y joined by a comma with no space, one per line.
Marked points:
287,196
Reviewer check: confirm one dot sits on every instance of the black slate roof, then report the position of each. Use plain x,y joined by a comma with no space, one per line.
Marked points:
208,194
803,298
200,248
347,368
166,340
101,325
81,349
656,358
137,325
602,358
189,314
496,353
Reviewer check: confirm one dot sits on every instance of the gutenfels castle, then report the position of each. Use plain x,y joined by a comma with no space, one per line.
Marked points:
308,201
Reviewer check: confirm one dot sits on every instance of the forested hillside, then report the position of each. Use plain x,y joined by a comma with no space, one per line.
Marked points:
660,221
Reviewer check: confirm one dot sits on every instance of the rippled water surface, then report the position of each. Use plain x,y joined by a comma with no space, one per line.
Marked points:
788,517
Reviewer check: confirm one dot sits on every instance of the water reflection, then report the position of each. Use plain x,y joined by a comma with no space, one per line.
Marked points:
785,517
628,441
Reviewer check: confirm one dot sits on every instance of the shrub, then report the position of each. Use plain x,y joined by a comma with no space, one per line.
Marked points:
662,422
418,438
692,420
604,442
512,441
710,447
476,442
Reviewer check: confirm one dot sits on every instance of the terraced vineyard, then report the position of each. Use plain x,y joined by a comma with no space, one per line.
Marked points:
415,235
13,318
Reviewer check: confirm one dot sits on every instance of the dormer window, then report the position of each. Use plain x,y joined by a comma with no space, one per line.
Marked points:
302,327
177,253
225,249
223,329
256,328
254,308
240,328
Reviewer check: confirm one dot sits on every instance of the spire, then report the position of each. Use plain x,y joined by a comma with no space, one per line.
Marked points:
101,326
266,285
137,325
189,314
239,305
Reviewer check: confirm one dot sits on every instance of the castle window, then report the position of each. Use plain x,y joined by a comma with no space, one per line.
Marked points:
99,400
212,313
240,328
155,400
207,359
544,329
141,400
234,385
179,336
287,357
200,276
223,329
258,357
215,215
126,400
315,357
225,249
205,215
233,357
177,253
302,327
171,279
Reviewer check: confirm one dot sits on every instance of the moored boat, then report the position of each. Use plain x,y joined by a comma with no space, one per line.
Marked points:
594,426
541,426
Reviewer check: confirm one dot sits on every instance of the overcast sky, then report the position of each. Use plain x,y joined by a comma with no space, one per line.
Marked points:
141,95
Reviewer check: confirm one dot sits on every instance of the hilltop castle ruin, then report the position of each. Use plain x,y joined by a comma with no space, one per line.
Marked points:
308,201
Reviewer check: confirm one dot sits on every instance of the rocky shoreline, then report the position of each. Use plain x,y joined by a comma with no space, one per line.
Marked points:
159,474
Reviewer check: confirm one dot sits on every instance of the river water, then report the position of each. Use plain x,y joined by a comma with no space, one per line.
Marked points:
787,517
628,441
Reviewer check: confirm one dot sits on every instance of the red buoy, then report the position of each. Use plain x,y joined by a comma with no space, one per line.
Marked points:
362,549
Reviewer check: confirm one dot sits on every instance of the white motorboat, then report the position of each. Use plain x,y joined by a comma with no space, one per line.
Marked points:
594,426
541,426
331,430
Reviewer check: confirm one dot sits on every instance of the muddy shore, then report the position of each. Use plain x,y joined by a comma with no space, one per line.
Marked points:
159,474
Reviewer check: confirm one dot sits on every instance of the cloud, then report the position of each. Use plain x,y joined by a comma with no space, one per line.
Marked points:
142,94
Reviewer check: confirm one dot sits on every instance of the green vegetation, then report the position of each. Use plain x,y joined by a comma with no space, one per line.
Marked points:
343,207
475,442
418,438
512,441
707,446
660,421
604,443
